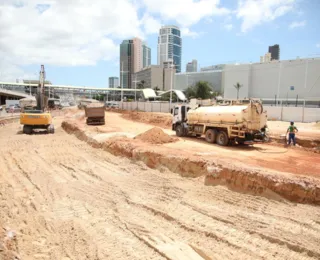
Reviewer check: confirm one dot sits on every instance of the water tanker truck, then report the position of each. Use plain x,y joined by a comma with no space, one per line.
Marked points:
233,121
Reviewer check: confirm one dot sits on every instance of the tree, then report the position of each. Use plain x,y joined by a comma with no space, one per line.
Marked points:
190,92
166,97
238,86
141,84
203,90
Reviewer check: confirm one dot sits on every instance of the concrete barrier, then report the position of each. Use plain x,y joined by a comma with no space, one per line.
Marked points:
296,114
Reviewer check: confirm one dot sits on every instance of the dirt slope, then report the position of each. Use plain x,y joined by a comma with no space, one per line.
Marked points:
66,200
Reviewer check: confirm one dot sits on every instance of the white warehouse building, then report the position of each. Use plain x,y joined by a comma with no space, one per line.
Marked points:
279,79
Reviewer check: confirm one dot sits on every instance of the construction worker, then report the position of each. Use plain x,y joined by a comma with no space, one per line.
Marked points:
292,130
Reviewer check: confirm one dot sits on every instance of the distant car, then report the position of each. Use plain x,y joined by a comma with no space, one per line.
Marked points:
13,109
115,105
112,105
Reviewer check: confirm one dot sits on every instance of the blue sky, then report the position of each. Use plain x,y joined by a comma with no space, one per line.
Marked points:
79,44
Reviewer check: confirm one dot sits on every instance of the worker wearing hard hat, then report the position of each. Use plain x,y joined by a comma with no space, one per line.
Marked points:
292,130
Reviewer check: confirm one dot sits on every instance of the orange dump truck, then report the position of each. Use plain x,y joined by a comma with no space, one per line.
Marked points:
95,113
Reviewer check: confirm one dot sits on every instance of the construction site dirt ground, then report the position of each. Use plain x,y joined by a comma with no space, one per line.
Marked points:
280,158
61,198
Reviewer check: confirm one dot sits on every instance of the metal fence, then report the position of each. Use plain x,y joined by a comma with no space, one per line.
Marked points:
315,103
161,107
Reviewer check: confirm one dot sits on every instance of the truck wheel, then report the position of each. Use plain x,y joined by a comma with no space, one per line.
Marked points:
179,130
222,138
27,129
50,129
211,135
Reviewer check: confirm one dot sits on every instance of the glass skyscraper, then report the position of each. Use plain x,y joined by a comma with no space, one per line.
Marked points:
134,56
146,57
170,46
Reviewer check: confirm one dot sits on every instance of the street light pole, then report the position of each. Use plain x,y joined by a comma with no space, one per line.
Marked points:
122,82
135,87
121,72
171,84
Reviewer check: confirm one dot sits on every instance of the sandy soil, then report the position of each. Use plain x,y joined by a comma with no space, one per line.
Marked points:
66,200
296,161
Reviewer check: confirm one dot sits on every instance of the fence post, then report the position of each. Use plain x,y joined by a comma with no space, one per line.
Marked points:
304,104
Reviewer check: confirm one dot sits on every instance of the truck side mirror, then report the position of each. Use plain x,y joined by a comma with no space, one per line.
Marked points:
171,110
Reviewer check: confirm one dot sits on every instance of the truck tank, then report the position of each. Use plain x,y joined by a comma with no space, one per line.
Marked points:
251,116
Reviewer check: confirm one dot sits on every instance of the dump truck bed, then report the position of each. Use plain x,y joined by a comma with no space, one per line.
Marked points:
95,114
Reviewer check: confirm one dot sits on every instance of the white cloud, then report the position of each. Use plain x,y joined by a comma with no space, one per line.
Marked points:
66,33
76,33
256,12
318,45
228,26
185,12
297,24
150,24
186,32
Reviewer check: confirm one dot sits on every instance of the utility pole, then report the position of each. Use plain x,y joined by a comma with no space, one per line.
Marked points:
171,89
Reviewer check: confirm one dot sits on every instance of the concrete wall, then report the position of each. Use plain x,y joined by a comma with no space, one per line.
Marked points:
296,114
233,74
163,107
269,79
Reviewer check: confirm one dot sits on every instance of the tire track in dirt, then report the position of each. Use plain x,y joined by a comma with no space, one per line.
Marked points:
93,205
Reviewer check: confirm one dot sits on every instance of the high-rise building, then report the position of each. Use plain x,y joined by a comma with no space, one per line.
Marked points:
265,58
113,82
126,63
192,66
275,52
137,55
146,56
134,55
170,46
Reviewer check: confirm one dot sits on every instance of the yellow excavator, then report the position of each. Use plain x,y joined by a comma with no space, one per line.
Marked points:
38,118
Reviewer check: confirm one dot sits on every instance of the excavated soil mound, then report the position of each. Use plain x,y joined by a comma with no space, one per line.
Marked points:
156,136
157,119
